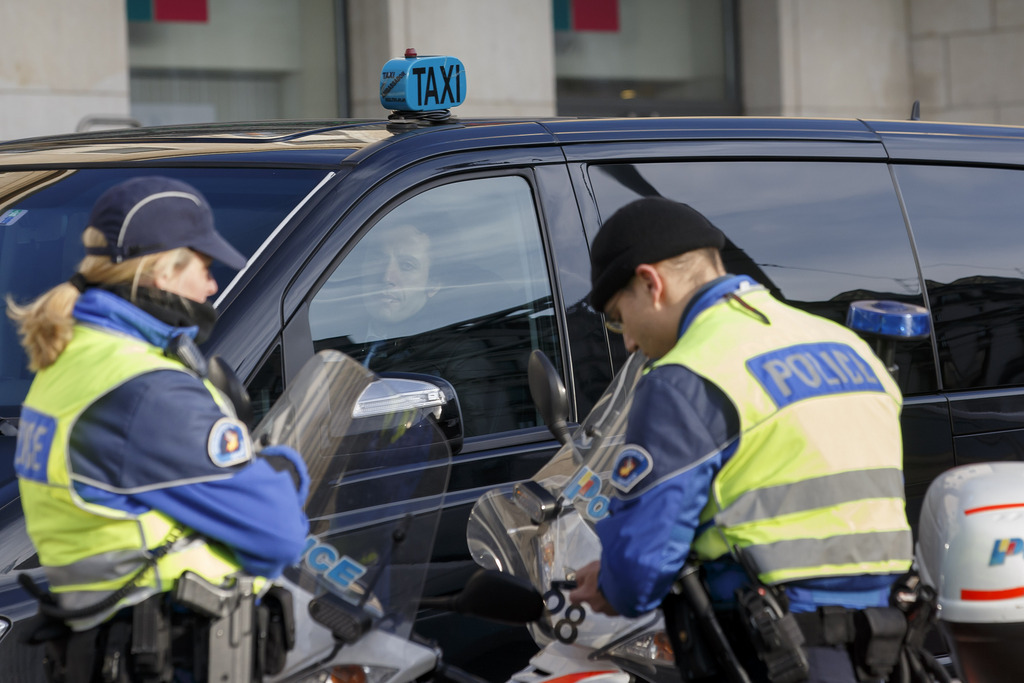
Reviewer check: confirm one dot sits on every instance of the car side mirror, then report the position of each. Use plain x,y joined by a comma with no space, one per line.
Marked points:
549,394
416,390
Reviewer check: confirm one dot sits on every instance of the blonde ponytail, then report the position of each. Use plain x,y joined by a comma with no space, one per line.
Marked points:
45,325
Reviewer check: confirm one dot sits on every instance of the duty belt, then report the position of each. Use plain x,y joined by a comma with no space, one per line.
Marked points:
874,635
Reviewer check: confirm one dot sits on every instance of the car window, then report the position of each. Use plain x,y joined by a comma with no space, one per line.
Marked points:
817,234
43,213
967,227
450,283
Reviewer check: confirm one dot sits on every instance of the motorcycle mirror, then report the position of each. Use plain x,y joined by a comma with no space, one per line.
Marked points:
536,500
225,379
495,596
549,394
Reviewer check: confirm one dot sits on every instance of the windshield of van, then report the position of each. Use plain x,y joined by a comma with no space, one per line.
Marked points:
43,213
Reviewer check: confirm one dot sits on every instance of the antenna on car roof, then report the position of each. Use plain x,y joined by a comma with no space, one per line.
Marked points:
915,111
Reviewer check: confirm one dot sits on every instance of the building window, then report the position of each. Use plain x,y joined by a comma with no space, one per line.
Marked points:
645,57
235,60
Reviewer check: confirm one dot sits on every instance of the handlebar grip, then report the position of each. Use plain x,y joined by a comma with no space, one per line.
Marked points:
456,675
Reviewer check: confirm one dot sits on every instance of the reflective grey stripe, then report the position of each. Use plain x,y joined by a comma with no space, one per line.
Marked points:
118,564
79,599
110,566
811,494
95,568
881,546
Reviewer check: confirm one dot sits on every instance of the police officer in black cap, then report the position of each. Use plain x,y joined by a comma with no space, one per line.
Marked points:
762,441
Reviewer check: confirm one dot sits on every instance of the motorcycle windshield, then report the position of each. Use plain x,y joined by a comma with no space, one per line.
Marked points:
370,535
502,535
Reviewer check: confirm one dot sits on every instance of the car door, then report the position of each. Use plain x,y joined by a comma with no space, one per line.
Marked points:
819,233
507,274
966,223
461,275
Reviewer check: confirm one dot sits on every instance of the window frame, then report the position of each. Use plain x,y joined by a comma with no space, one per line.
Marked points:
364,213
916,213
472,336
883,187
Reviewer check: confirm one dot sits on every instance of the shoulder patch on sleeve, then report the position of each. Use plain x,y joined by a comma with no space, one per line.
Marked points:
632,464
229,443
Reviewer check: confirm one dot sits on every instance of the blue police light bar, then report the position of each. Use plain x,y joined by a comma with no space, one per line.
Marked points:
889,319
427,83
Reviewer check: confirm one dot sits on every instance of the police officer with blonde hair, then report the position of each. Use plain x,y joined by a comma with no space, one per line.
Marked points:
137,477
764,442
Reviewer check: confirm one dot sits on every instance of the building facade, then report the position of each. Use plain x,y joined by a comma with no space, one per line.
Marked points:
102,63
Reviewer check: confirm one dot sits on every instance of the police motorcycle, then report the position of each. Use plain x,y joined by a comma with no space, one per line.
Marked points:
345,611
970,549
543,530
363,573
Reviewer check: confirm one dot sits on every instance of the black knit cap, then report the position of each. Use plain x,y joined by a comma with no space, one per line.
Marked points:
647,230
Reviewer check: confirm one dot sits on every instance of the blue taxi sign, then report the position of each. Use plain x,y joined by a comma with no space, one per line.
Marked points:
428,83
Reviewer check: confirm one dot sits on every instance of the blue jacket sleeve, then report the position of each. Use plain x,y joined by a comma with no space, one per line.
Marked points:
689,427
151,444
256,513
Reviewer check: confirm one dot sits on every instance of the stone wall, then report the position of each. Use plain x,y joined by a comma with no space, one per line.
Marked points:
836,58
967,59
61,62
962,59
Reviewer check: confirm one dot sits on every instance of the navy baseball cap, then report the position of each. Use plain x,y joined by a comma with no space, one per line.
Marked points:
151,214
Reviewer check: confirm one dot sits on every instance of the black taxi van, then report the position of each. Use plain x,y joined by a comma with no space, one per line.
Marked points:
426,243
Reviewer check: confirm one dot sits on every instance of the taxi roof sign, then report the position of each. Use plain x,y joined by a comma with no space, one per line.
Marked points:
428,83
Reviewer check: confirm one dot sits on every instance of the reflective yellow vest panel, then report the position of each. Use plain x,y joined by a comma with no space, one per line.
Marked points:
815,487
90,550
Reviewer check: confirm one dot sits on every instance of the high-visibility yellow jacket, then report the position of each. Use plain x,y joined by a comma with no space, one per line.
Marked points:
90,550
815,488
